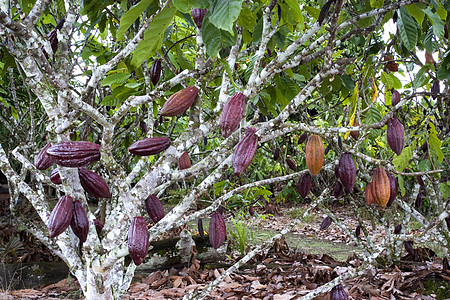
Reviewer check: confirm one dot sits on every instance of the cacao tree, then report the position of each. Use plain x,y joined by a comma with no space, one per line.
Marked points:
145,83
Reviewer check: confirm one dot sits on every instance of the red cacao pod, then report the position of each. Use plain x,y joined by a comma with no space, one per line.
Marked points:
355,134
98,225
155,71
338,293
80,221
394,189
54,177
154,208
245,151
381,188
217,230
291,164
428,58
302,138
184,162
368,194
60,217
197,15
395,97
276,154
347,171
231,115
150,146
74,154
201,231
43,160
326,223
303,185
395,135
138,240
179,102
314,154
337,191
94,184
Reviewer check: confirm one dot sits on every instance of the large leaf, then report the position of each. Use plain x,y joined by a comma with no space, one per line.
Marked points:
420,78
438,24
416,12
401,161
154,35
407,27
435,144
130,16
444,70
185,5
225,13
294,10
215,38
117,78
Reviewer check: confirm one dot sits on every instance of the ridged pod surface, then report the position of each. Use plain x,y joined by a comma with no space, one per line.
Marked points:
314,154
94,184
138,240
337,191
179,102
245,151
197,15
155,71
291,164
184,162
54,176
338,293
368,194
381,188
347,171
395,135
154,208
303,185
231,115
393,188
60,217
355,134
80,221
395,97
74,154
43,160
217,230
150,146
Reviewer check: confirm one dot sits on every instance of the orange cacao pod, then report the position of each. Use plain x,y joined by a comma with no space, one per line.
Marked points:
155,71
395,97
74,154
154,208
43,160
54,177
381,188
395,135
314,154
391,65
245,151
291,164
368,194
179,102
304,185
150,146
138,240
184,162
79,222
347,171
60,217
393,188
355,134
231,114
217,230
338,293
94,184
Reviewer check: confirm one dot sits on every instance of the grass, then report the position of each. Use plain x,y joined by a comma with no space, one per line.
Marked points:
297,213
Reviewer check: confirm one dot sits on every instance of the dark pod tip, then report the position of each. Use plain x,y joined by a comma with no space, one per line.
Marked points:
326,223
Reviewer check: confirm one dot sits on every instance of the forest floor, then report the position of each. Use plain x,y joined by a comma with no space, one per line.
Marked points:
305,259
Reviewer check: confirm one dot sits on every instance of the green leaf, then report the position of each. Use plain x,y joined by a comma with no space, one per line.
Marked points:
444,69
110,100
185,64
294,10
225,13
401,184
185,5
376,3
153,36
444,187
407,27
428,42
228,70
420,78
117,78
61,7
246,19
435,144
130,16
215,38
312,11
416,12
438,24
402,161
387,80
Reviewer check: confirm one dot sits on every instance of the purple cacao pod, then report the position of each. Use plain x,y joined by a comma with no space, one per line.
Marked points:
395,135
420,181
155,71
94,184
327,149
338,293
197,15
201,231
398,229
276,154
154,208
347,171
179,102
435,88
302,138
337,191
358,231
98,225
304,185
326,223
251,210
144,127
395,97
43,160
138,240
231,115
184,162
60,217
419,201
409,247
54,177
217,230
291,164
80,221
150,146
74,154
394,189
245,151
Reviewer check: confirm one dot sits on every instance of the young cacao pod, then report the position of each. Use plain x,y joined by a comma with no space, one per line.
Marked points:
428,58
394,189
340,142
420,181
395,97
217,230
251,210
291,164
74,154
435,88
179,102
197,15
398,229
347,171
94,184
358,231
98,225
138,240
419,200
327,149
231,115
314,154
144,127
409,247
304,185
150,146
395,135
302,138
326,223
276,154
338,293
355,134
447,220
54,177
60,217
201,231
336,170
184,162
245,151
337,191
43,160
368,196
80,221
381,188
155,71
154,208
391,65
